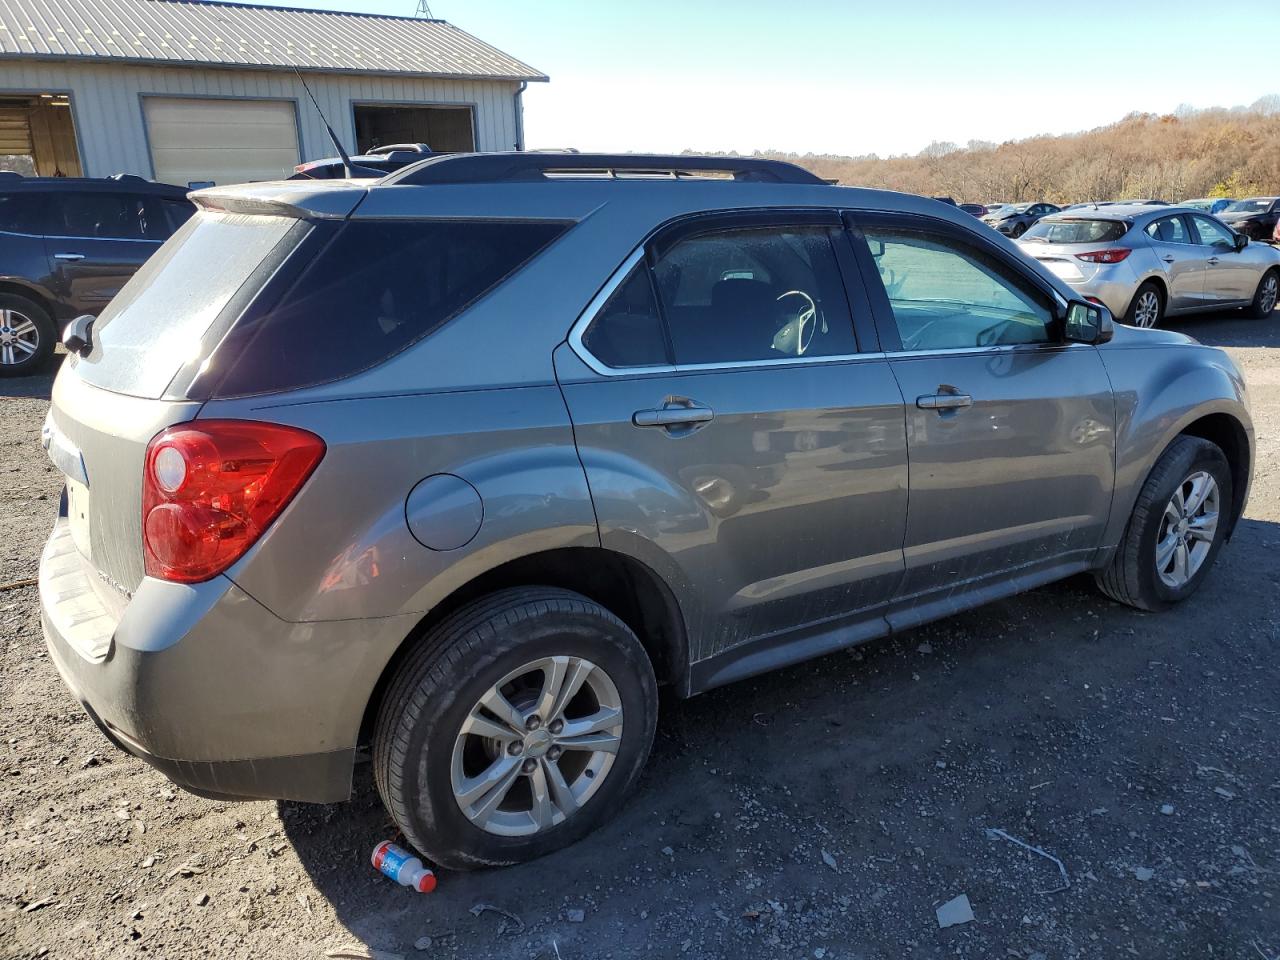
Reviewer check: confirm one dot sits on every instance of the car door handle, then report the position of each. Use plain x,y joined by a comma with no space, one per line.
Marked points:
944,401
674,413
1167,259
1212,260
68,256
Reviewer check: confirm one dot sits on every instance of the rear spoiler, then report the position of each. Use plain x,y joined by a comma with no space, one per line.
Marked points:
299,199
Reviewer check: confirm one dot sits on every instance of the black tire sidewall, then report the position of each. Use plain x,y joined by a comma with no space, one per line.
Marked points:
48,335
438,826
1191,459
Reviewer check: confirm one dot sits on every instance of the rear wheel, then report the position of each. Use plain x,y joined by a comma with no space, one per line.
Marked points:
1018,231
515,728
1265,297
1176,529
27,336
1146,308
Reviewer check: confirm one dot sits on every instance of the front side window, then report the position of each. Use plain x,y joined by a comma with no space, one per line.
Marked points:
947,294
1214,234
767,293
99,216
1168,230
627,330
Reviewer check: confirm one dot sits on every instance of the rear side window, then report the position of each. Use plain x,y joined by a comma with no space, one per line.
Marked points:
1077,231
627,332
1168,230
768,293
20,213
374,289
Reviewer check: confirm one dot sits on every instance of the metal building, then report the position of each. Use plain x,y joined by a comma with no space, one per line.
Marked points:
192,91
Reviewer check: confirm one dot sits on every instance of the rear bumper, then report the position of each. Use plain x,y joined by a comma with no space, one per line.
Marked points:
1113,287
207,685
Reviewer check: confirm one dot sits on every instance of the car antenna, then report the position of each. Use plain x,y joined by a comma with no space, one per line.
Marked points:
346,160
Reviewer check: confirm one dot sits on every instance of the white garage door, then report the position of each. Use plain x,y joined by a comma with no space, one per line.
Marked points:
226,141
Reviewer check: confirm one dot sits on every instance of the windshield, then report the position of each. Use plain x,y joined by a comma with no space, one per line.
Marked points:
1076,231
1256,205
1012,209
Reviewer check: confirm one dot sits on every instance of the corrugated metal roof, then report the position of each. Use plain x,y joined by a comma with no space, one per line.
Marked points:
197,32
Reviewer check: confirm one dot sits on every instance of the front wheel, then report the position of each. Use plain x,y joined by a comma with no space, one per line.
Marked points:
1146,308
1176,528
516,727
1264,298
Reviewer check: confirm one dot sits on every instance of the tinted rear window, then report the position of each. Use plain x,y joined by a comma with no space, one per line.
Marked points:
375,288
154,325
1077,231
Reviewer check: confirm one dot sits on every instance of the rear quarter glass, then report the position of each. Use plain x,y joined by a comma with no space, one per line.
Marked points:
371,289
157,323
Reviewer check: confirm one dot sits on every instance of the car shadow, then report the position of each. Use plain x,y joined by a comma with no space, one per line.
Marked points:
1229,329
924,735
38,386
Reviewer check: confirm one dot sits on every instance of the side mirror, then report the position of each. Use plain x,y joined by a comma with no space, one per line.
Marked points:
1241,241
78,335
1088,323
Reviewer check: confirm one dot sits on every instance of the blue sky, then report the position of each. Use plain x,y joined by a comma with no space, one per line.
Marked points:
858,76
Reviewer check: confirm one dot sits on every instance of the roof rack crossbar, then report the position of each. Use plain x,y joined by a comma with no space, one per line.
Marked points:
508,167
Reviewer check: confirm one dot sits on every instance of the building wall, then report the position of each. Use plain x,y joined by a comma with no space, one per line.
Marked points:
106,103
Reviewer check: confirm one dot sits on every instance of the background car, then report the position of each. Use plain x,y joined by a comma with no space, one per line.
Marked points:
1256,217
67,246
373,165
1144,263
1214,205
974,209
1013,219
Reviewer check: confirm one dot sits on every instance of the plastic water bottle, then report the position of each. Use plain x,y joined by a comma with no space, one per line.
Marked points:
402,867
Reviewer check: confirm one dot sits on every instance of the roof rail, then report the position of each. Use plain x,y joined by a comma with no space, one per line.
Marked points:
504,167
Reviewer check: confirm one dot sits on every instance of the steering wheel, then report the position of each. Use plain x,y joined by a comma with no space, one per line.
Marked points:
805,318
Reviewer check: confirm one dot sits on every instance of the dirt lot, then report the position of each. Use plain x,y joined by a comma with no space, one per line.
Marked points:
824,811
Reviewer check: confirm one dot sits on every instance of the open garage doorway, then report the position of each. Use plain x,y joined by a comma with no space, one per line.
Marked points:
38,135
443,129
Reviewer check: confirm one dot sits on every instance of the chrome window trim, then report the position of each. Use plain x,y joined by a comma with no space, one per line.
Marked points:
60,236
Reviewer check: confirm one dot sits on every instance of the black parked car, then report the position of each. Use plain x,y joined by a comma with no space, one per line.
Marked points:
1256,217
67,246
375,164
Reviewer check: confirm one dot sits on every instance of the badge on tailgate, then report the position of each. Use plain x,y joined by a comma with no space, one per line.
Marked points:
64,454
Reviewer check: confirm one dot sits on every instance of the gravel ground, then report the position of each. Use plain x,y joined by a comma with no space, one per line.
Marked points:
824,811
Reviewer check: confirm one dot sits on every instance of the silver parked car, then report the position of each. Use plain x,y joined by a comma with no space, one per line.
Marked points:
1145,263
467,462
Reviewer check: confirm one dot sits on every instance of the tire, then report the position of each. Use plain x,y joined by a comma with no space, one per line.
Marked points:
1018,231
420,750
1133,576
27,336
1146,299
1265,297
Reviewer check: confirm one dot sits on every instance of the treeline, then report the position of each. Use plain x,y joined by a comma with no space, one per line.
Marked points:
1189,153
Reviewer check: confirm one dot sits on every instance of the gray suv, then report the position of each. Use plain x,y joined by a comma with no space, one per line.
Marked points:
467,462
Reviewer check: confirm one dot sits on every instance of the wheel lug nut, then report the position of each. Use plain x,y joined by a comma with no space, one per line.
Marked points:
533,723
554,753
529,765
557,726
516,749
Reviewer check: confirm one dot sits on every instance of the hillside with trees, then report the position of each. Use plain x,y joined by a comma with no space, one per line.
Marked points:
1189,153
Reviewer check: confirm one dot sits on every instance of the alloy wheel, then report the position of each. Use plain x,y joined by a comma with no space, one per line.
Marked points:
19,337
1270,293
1147,310
1187,529
537,746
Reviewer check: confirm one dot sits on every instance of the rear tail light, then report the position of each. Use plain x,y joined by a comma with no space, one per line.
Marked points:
211,487
1114,255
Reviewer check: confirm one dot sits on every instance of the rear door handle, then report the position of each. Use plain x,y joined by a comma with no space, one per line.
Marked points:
68,256
674,413
1212,260
1167,259
944,401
